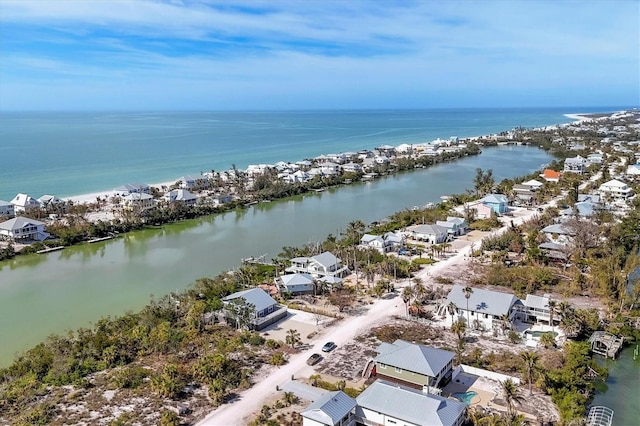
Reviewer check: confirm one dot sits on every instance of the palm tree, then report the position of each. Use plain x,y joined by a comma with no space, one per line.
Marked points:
407,294
530,359
468,291
452,309
552,311
293,337
511,396
289,398
459,327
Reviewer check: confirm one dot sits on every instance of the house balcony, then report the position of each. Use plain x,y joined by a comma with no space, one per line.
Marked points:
273,317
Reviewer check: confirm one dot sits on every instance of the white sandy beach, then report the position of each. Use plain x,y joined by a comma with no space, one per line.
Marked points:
91,197
578,117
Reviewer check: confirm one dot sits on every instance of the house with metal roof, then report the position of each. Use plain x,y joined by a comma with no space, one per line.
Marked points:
431,233
536,308
382,243
131,188
181,196
23,229
413,365
331,409
558,233
323,265
615,190
498,202
484,308
23,202
296,284
264,310
6,209
385,403
577,164
454,225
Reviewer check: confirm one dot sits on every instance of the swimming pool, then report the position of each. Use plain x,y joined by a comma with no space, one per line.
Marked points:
466,397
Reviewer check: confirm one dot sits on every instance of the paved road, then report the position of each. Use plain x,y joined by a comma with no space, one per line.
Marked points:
249,403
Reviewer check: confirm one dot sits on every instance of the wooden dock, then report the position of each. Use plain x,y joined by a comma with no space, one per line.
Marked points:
606,344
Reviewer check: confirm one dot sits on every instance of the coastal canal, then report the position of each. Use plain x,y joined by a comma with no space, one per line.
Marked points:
51,293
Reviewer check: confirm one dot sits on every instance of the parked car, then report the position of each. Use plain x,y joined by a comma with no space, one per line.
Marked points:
314,359
329,346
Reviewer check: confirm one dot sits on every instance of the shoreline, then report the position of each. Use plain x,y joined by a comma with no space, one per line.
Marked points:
90,197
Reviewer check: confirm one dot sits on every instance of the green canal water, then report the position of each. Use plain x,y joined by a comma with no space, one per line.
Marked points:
44,294
621,392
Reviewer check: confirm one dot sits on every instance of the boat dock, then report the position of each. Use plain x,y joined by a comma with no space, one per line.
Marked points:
605,344
50,249
97,240
260,260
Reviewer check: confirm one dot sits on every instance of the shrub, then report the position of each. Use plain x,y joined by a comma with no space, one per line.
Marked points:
169,418
277,359
129,377
273,344
514,336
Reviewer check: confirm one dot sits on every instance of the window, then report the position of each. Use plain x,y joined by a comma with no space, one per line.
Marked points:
382,366
398,370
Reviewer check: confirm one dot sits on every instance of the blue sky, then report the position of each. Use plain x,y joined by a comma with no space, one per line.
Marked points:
304,54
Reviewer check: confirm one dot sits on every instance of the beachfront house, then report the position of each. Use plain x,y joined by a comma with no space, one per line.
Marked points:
577,164
331,409
615,190
296,284
181,196
388,404
413,365
485,309
323,265
131,188
23,202
138,201
499,203
253,309
431,233
186,182
23,230
454,225
7,209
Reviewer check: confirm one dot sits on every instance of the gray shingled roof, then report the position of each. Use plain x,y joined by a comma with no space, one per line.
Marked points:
412,357
410,405
255,296
330,408
483,301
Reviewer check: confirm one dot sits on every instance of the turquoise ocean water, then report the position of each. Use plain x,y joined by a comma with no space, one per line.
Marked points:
81,152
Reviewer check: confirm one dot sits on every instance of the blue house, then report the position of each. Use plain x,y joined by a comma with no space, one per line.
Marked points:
498,202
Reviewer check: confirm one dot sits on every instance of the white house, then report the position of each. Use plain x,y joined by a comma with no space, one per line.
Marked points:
432,233
186,182
577,164
387,404
481,210
181,196
22,229
633,170
23,202
138,200
49,201
454,225
484,308
132,188
533,184
6,208
331,409
323,265
382,243
615,190
536,309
